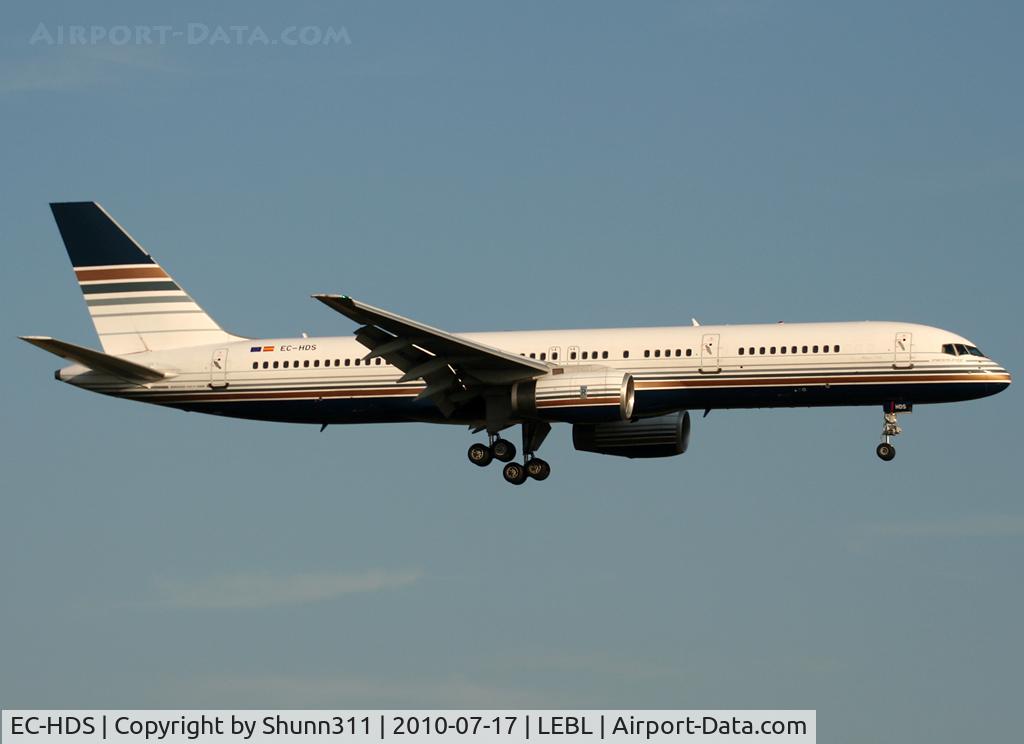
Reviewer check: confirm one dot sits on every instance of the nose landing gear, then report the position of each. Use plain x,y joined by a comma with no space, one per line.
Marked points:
890,428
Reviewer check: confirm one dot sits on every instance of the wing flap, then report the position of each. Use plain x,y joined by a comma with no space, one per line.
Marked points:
96,360
454,369
480,361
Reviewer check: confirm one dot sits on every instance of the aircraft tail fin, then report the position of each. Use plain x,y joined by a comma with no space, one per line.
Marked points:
135,304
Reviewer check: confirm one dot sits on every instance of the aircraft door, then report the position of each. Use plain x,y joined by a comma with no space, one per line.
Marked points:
573,353
709,353
903,349
554,353
219,369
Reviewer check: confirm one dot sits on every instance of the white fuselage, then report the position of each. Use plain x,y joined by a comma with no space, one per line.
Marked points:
328,379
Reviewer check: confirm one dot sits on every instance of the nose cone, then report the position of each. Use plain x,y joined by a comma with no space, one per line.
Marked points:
1001,378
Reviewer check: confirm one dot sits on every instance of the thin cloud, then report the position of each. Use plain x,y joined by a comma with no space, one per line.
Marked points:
247,591
274,691
968,527
81,68
594,664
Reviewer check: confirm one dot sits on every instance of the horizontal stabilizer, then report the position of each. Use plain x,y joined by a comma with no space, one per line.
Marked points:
96,360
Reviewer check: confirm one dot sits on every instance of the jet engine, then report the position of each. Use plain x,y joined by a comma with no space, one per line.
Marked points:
576,395
659,436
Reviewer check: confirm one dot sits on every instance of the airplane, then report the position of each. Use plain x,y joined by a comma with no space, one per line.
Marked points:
625,391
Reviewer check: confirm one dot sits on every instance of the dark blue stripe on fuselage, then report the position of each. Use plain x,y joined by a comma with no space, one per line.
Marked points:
392,409
653,402
383,410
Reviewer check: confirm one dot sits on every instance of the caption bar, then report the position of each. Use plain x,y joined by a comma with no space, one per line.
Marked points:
509,727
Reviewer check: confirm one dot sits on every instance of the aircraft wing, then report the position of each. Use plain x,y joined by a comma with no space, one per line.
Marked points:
453,367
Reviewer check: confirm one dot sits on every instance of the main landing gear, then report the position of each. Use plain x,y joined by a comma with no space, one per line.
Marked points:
890,428
503,450
498,449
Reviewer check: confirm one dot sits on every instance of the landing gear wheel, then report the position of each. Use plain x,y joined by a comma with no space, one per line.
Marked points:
514,473
885,451
503,450
480,454
538,469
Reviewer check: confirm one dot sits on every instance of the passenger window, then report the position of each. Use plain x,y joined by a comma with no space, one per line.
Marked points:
305,363
593,355
316,362
825,349
773,350
689,352
255,365
657,352
750,352
815,349
275,365
761,350
572,354
804,349
782,349
285,365
266,364
532,355
793,350
584,355
554,355
543,355
347,361
836,348
625,355
357,361
378,362
647,353
741,351
604,354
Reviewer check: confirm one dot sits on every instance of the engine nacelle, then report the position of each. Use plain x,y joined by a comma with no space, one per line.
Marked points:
660,436
576,395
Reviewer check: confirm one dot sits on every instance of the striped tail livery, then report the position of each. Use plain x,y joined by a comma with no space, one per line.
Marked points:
135,305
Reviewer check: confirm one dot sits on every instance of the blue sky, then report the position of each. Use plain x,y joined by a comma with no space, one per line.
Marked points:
486,166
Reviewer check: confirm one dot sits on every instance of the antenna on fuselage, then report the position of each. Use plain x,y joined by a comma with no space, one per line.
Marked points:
694,322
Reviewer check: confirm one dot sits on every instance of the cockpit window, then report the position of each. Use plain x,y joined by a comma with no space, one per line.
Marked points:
961,350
